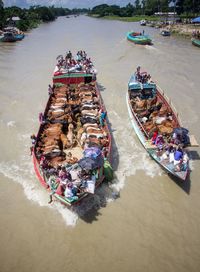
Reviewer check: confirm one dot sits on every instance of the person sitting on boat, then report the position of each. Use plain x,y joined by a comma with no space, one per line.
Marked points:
154,137
184,163
149,78
78,66
44,165
70,159
178,156
144,77
71,191
64,175
159,142
69,55
33,139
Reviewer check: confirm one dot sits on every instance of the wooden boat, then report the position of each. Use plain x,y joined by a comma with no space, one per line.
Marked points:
165,32
157,125
196,42
138,38
11,36
72,150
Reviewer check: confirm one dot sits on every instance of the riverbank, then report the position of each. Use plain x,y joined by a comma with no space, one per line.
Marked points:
185,30
127,19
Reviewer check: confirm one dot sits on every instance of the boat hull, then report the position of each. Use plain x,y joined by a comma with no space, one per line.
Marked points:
196,42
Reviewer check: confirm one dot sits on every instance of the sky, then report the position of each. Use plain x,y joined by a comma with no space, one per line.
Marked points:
65,3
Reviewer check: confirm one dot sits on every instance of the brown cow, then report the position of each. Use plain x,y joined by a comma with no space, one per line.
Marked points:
66,143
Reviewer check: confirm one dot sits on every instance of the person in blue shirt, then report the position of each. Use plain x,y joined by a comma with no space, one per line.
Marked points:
178,156
102,118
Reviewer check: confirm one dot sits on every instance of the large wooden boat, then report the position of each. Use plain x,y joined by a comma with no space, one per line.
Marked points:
157,125
72,150
138,38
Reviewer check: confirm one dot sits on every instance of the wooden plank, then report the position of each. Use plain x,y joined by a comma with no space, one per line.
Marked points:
193,141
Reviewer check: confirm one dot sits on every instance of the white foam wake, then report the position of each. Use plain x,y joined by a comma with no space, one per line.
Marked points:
132,156
128,151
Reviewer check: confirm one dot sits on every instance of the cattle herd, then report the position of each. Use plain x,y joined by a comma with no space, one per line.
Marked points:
71,120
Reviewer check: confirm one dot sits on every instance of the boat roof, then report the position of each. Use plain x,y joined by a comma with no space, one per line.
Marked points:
136,85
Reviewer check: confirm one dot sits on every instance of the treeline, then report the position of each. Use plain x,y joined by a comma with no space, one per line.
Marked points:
148,7
30,18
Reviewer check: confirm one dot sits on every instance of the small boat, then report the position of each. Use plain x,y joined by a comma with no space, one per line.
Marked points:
8,37
196,42
143,22
72,150
11,34
157,125
138,38
165,32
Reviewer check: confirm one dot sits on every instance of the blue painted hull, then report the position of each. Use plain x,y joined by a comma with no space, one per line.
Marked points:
11,38
140,39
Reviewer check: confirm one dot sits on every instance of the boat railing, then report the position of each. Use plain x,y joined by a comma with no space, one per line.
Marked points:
106,123
168,100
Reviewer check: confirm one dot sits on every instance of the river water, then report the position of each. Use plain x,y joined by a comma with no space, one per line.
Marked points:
154,224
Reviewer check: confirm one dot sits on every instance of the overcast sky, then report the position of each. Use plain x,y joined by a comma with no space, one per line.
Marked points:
66,3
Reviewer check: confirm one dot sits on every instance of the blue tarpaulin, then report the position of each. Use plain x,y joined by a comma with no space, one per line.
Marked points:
196,20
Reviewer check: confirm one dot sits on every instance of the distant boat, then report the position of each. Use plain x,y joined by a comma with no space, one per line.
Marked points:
157,125
138,38
165,32
195,42
143,22
11,37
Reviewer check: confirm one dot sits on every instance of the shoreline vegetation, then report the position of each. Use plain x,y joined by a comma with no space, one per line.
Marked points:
27,19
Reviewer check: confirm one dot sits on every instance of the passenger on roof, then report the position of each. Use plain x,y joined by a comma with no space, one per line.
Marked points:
138,75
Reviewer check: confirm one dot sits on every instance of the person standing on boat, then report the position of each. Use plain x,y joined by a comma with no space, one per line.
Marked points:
50,90
102,117
137,74
41,117
33,141
143,32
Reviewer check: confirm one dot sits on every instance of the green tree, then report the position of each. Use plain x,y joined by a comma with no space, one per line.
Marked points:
1,14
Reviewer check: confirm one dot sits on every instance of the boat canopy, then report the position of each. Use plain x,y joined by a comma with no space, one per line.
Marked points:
136,86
